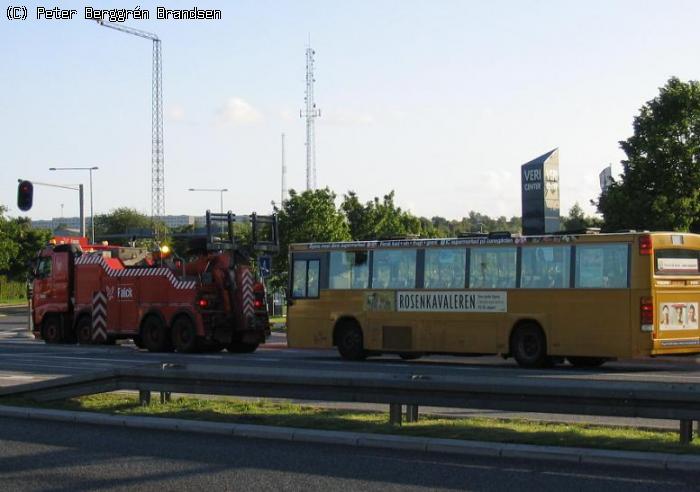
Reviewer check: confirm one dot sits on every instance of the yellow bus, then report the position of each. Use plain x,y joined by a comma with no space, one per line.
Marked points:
588,298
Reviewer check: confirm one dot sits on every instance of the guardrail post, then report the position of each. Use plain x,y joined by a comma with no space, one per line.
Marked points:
144,398
686,431
164,396
411,413
395,413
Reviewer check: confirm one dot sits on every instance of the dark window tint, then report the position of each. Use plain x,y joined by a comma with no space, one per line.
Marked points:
677,261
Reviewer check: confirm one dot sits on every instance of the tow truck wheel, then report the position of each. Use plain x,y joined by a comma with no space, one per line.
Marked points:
237,347
154,335
83,330
184,335
52,331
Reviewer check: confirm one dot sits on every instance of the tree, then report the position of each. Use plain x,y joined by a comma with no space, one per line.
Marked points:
378,219
19,244
577,219
659,188
307,217
120,221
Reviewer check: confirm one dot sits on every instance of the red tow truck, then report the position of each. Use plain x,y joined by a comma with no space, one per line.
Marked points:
101,293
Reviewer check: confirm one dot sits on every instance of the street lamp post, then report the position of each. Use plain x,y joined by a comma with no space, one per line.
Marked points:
221,198
218,190
92,213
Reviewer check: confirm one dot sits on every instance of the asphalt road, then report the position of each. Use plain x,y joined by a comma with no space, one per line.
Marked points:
51,456
23,359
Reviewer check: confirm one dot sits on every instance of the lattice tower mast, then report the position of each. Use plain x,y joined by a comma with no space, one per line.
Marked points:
157,154
284,176
310,113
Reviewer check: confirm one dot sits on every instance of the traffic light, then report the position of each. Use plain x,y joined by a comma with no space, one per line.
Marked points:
25,195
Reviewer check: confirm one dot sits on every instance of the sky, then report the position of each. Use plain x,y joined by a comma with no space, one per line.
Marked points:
441,101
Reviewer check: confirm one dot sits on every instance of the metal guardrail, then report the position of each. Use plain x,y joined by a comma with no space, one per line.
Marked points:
672,401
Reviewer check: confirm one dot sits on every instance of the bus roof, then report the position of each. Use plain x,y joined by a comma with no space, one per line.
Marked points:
493,241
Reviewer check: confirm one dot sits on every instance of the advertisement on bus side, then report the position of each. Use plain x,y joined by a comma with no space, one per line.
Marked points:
678,315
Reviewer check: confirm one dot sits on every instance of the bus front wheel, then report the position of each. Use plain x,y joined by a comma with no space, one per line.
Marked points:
350,342
528,346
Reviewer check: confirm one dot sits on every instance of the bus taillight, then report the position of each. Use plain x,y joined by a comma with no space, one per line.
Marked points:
645,245
646,314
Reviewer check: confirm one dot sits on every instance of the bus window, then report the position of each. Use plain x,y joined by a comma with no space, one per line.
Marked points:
677,262
545,267
492,268
305,278
601,266
394,269
444,268
299,279
312,277
349,270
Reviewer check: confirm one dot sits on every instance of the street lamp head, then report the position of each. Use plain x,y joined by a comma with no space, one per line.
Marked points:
191,189
225,189
94,168
52,169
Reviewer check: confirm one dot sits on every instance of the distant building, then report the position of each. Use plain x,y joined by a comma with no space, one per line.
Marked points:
171,221
178,220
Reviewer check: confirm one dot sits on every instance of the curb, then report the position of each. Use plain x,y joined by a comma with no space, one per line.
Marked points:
664,461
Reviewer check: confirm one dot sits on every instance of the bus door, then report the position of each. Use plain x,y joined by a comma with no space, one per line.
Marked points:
306,322
676,301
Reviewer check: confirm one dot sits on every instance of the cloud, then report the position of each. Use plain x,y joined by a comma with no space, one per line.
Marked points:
238,111
175,113
347,118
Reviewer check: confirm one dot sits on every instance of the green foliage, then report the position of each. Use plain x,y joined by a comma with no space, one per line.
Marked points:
577,219
19,244
306,217
378,219
120,221
659,188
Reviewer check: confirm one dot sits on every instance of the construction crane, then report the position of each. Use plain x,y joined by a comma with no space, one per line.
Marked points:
157,159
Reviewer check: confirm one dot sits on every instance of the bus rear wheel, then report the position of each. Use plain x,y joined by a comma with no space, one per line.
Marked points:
528,346
586,362
350,342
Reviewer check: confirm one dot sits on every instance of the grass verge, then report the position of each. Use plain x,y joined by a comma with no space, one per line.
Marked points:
278,319
264,412
12,302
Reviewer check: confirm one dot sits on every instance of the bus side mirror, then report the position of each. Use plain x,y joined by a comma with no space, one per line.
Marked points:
288,297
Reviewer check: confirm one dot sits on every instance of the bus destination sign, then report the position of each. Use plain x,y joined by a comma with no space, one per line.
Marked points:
441,301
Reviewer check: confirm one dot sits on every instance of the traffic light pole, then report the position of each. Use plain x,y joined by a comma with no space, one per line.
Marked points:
79,189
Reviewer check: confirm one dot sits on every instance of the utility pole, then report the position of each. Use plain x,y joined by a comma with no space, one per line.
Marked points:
284,176
157,155
311,112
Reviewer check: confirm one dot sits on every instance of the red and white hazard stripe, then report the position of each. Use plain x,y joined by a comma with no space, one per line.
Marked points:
93,259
